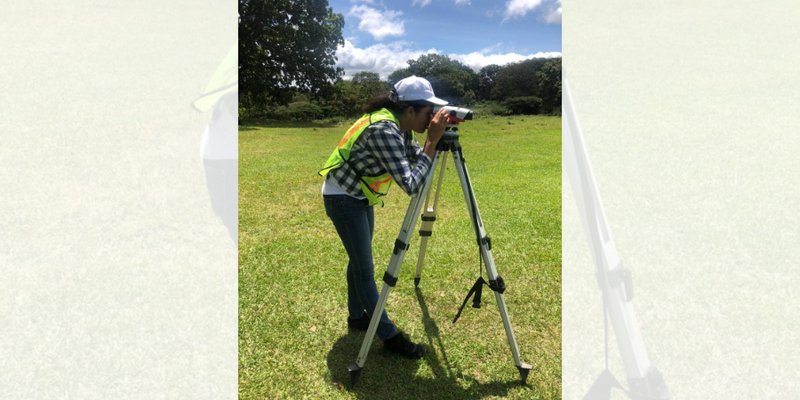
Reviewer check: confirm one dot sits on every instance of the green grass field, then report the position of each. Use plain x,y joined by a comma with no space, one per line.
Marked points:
293,337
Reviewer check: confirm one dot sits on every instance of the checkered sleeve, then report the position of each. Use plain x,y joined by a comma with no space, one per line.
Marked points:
388,146
413,149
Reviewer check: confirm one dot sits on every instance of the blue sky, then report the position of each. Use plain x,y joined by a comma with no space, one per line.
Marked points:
380,36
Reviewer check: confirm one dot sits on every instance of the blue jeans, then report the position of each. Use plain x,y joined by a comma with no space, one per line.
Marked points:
354,221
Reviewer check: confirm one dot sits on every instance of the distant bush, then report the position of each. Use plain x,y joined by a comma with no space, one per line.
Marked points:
297,111
499,109
486,108
523,105
247,113
304,111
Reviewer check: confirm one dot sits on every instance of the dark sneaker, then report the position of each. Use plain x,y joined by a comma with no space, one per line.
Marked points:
401,345
359,324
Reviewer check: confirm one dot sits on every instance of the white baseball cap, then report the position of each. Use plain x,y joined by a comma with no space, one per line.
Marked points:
416,88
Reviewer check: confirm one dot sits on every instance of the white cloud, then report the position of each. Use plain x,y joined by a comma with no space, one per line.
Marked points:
381,58
463,2
387,58
553,15
550,9
518,8
377,24
478,60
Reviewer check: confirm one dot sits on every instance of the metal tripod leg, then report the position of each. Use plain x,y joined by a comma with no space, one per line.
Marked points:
428,218
495,280
390,276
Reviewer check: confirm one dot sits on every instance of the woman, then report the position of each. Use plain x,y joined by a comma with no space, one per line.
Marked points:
377,150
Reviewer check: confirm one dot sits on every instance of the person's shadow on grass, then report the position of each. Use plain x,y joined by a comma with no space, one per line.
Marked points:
387,376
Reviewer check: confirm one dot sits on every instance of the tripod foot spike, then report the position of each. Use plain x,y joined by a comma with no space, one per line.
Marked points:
355,372
524,369
416,282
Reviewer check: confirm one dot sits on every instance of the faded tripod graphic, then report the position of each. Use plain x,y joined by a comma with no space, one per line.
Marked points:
219,145
616,285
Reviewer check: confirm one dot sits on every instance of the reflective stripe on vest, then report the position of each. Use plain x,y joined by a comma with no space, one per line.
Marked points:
372,187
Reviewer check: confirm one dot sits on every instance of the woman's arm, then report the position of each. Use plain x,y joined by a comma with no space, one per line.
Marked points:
386,144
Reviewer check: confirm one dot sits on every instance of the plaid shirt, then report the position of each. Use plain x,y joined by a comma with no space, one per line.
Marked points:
383,148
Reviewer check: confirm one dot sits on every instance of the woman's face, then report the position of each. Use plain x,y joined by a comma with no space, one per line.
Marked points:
421,119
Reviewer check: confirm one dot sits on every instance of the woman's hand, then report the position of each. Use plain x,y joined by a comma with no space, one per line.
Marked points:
435,132
437,125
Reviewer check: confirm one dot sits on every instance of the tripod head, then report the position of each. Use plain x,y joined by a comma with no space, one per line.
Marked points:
456,115
449,140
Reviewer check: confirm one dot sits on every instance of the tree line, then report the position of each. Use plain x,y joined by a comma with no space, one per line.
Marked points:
287,70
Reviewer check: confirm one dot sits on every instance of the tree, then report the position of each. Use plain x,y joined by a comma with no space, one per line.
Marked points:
286,46
486,78
397,75
345,99
549,80
369,84
517,80
348,97
523,105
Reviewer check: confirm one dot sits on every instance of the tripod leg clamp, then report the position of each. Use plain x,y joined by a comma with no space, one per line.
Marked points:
498,285
425,229
399,245
485,240
390,280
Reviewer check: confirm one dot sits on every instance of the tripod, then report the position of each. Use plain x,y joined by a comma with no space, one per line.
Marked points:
448,143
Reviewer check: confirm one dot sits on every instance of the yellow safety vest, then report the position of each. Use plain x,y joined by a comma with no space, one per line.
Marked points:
373,187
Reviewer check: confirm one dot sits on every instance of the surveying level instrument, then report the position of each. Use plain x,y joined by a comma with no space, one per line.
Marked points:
448,143
644,380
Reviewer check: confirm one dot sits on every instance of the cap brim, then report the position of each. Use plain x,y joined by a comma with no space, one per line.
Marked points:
437,101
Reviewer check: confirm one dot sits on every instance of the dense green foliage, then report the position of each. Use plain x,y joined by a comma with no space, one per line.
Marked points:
287,48
293,338
523,105
347,97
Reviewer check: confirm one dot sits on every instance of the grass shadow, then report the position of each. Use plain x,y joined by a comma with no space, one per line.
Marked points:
386,376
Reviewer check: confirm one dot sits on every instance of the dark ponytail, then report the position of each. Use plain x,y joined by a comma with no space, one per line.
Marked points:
391,102
380,101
